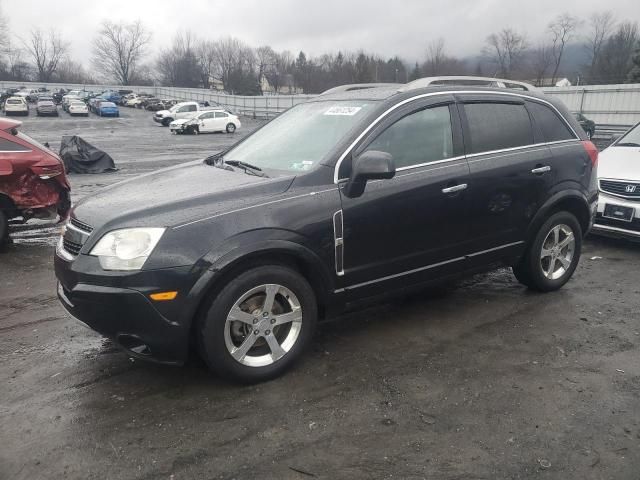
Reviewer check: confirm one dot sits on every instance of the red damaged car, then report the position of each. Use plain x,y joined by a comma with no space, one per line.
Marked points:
33,183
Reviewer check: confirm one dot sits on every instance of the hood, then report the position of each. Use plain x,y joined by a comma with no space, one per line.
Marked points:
163,113
622,163
175,195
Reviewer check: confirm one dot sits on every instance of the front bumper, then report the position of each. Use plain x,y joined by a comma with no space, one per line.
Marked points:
157,119
613,227
117,305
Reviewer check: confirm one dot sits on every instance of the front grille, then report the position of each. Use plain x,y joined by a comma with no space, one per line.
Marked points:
81,225
72,247
623,189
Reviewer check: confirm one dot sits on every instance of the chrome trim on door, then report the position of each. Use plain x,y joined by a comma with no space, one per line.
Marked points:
544,169
338,242
454,189
336,170
420,269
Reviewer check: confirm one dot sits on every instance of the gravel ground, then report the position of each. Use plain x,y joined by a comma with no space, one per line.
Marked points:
482,381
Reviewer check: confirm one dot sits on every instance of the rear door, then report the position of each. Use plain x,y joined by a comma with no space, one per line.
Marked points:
207,122
221,120
510,172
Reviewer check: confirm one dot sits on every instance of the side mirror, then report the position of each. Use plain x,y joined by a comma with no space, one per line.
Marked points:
371,165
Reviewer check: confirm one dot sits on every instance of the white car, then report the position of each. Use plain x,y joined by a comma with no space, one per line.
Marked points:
131,100
73,95
619,185
207,122
78,108
16,106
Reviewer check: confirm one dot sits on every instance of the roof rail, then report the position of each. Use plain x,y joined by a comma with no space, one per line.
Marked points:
357,86
467,80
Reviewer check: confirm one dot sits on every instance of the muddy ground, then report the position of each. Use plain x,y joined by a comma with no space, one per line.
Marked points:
482,381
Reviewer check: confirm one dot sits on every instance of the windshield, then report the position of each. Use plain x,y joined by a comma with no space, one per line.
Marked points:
631,138
301,137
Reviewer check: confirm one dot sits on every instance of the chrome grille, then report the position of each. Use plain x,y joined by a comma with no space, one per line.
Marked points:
620,188
75,236
72,247
81,225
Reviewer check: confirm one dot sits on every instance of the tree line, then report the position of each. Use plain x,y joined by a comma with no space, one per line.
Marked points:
121,53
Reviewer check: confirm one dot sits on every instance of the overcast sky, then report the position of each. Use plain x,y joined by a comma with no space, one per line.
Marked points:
386,27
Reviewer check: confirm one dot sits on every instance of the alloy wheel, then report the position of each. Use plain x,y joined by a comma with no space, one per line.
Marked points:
263,325
558,250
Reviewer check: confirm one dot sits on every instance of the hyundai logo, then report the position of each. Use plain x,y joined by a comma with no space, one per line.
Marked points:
630,188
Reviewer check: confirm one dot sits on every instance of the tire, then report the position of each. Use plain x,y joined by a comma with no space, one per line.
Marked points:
166,121
195,130
231,128
535,270
219,336
4,231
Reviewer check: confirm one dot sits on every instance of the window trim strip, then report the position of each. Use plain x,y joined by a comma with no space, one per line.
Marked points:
384,114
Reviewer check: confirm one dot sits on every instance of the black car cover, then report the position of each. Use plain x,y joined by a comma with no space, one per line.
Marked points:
80,156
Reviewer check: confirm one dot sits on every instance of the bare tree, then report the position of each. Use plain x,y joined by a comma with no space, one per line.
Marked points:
435,57
541,61
506,49
46,50
206,54
4,33
601,25
562,30
266,61
118,49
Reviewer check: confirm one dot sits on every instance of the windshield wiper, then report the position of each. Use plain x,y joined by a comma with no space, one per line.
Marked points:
247,167
628,144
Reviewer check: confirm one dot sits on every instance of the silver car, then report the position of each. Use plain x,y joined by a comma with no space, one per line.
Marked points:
619,185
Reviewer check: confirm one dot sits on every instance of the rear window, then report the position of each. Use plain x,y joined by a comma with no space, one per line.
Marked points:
553,128
496,126
14,102
9,146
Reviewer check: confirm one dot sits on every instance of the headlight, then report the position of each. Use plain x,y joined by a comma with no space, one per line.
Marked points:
126,249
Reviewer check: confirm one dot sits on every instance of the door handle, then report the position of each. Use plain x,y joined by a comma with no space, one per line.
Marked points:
454,189
541,170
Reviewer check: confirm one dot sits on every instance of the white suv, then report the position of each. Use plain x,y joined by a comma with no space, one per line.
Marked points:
619,185
16,105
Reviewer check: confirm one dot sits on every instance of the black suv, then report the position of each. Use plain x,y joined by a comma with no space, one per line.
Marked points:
344,199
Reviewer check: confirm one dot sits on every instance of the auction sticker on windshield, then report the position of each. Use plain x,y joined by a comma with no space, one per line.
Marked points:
349,111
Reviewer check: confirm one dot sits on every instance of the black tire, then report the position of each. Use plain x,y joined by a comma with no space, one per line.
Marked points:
530,271
166,121
231,128
212,324
194,130
4,231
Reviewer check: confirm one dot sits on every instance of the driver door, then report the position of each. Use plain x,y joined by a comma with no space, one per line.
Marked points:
413,227
207,122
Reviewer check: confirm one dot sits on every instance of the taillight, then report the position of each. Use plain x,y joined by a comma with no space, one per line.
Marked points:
45,173
592,151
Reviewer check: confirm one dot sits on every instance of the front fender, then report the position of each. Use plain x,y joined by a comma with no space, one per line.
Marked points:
257,245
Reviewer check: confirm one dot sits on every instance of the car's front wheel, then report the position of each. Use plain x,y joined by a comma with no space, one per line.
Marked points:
258,324
4,231
553,255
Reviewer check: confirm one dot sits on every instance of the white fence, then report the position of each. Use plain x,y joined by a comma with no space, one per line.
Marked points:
604,104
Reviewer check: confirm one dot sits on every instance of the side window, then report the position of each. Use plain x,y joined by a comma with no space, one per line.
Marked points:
192,108
421,137
221,115
207,116
495,126
552,127
183,109
9,146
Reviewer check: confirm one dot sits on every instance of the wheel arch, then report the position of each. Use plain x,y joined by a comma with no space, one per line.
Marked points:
280,252
572,201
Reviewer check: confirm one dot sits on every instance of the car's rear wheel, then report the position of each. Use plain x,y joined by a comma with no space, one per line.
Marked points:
231,128
258,324
553,255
